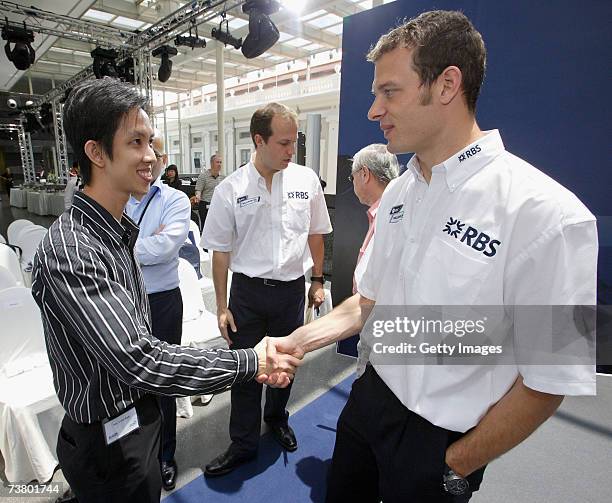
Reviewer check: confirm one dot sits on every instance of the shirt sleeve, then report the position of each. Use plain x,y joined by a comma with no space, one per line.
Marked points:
319,216
162,247
100,314
547,286
219,229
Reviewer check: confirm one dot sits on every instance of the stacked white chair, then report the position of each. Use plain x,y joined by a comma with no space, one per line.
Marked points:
7,280
2,240
28,240
30,413
10,261
199,325
15,228
205,258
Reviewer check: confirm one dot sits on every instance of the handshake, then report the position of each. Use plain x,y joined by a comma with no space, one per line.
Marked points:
279,358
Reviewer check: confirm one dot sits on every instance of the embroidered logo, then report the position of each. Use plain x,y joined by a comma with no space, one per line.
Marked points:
453,227
472,237
469,153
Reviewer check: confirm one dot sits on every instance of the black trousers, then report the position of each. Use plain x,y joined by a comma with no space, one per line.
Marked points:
275,309
203,211
167,317
125,471
386,452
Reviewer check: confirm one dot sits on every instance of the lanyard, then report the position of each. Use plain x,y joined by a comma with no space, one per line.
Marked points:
153,192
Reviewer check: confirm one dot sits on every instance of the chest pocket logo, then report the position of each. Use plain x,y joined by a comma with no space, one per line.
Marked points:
396,214
472,237
297,195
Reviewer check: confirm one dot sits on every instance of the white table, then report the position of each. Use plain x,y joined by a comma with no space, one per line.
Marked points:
18,198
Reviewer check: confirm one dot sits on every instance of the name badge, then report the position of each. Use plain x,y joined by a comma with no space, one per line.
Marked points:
249,201
396,214
119,427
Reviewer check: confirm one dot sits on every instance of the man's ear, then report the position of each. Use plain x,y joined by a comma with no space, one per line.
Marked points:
259,141
449,82
93,150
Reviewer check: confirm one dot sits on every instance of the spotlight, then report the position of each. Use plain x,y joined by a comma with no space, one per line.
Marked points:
225,36
104,63
11,103
126,70
190,41
165,68
22,55
29,103
263,33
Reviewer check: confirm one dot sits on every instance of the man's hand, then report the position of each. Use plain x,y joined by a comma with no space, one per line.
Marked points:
196,198
316,294
225,318
275,369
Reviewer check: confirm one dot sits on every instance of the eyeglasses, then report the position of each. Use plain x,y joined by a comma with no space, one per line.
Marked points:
158,155
351,177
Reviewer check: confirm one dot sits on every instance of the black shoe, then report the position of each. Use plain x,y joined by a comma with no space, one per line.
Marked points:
169,471
284,435
226,462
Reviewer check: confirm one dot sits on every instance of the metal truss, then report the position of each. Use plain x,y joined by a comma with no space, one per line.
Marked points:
69,27
25,150
60,142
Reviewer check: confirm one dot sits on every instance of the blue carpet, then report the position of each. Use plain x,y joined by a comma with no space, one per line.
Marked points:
276,475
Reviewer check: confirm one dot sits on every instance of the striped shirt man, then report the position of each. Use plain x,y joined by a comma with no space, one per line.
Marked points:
97,324
206,185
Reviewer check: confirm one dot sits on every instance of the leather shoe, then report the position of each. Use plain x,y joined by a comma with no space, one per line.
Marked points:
226,462
285,436
169,470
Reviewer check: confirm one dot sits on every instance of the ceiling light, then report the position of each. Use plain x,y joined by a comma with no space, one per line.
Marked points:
165,67
22,55
225,36
263,33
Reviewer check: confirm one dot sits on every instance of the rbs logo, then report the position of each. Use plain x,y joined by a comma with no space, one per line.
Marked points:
297,195
479,241
469,153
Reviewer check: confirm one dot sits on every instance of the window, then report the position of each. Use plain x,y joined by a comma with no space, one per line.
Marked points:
245,155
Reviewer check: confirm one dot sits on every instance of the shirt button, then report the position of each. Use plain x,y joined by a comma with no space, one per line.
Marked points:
412,240
452,187
419,200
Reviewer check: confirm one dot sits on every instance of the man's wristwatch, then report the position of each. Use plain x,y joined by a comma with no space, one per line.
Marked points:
319,279
454,484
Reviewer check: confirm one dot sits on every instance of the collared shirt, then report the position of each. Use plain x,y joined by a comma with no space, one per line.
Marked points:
267,232
97,323
206,184
489,229
361,264
158,253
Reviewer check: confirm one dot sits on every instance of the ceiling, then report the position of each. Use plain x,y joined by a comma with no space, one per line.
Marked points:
316,29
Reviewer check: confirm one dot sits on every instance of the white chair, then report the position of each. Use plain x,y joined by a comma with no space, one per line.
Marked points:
2,240
28,240
10,261
15,228
199,325
205,258
30,413
7,280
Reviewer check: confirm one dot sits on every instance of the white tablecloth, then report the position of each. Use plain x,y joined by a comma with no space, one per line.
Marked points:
45,203
19,198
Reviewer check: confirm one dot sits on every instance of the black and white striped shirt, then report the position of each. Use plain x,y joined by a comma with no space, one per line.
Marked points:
97,322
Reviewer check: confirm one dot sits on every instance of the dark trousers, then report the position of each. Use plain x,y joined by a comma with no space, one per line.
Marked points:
203,211
127,470
386,452
260,310
167,317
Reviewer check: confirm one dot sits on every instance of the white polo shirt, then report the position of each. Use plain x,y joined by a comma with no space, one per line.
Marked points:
529,241
267,232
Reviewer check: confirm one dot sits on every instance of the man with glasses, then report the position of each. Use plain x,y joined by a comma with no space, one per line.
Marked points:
163,217
373,169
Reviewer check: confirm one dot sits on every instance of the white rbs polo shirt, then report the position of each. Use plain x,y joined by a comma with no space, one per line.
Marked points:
489,229
267,232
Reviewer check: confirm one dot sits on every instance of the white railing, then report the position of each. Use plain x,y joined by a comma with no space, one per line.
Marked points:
321,85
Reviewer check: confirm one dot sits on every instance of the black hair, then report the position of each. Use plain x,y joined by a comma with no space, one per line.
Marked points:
93,111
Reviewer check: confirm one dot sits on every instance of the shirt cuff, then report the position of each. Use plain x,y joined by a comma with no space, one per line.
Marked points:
248,365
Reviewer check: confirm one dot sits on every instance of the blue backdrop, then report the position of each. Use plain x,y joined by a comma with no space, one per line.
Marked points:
546,90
